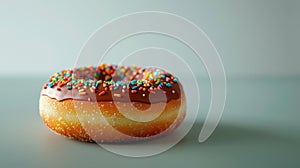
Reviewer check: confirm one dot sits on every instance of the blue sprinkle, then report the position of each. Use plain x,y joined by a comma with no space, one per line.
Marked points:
134,87
155,73
133,82
168,85
175,80
50,85
162,76
116,87
120,83
69,87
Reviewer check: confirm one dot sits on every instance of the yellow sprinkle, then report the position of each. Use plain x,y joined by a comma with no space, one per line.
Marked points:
82,93
117,95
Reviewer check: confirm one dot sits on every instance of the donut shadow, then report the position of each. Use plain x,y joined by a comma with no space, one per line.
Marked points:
228,133
233,133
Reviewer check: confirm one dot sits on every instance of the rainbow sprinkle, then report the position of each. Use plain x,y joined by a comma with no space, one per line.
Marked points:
112,78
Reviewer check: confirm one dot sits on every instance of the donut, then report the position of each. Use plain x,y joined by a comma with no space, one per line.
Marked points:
112,103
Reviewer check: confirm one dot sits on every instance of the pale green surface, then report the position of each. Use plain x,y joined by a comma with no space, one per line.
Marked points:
260,128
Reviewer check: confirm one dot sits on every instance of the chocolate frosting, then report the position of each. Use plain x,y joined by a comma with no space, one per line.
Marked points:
113,83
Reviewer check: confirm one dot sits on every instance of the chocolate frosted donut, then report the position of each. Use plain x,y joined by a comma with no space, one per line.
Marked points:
111,87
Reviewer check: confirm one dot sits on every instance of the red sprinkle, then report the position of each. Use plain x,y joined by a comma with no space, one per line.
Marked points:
101,93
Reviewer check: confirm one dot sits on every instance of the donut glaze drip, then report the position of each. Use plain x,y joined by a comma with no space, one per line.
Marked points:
108,82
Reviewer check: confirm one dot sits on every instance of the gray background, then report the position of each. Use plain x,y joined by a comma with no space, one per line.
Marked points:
256,37
257,40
